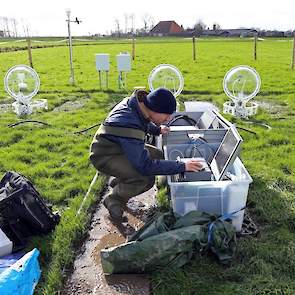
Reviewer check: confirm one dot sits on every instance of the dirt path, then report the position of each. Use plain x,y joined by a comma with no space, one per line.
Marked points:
88,276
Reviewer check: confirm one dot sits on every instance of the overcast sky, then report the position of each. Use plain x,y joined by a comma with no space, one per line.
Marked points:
48,17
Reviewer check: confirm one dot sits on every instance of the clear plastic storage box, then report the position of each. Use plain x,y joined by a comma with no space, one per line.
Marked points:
220,197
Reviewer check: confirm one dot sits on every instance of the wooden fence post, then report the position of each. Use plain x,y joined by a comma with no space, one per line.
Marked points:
255,45
194,48
30,52
293,52
133,47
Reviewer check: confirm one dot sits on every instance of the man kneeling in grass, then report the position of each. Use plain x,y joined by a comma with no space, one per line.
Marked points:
118,148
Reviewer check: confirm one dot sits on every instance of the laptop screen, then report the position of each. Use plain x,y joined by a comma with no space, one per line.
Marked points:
226,153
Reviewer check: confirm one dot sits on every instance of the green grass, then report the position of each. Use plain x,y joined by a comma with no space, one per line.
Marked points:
56,159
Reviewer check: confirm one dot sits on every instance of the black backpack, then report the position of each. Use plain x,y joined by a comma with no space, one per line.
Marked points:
23,213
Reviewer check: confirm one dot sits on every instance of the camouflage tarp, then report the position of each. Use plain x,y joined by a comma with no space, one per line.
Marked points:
170,241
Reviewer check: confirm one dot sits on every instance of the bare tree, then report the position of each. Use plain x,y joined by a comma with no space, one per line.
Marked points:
145,22
216,26
126,17
199,27
26,28
6,26
14,24
132,17
2,30
148,22
118,31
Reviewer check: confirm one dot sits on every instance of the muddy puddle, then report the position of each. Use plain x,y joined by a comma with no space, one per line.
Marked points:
70,106
5,108
88,276
272,107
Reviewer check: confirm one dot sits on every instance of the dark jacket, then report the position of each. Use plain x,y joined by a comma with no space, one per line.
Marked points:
128,114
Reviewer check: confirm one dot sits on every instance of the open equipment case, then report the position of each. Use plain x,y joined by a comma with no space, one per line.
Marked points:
222,185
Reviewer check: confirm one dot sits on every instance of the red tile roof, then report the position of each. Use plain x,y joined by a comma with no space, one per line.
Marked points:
166,27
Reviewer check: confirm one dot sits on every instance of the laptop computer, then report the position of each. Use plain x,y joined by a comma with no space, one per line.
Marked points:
222,160
226,154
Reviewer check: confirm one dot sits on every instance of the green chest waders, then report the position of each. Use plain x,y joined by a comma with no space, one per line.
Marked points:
102,149
109,158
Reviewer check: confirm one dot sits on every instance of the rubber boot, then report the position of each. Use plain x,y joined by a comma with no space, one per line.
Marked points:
115,209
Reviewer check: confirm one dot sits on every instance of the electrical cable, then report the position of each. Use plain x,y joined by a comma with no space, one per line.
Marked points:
46,124
202,155
258,123
27,121
204,141
195,148
86,129
245,129
173,151
188,119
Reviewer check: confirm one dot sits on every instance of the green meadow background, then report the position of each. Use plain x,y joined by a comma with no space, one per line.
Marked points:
55,158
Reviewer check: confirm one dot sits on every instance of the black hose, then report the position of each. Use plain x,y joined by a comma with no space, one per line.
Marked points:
188,119
86,129
250,131
27,121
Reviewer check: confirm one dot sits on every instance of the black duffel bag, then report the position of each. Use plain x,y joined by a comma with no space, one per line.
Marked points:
23,213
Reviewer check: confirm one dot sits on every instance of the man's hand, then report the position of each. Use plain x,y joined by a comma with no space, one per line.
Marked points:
164,129
193,166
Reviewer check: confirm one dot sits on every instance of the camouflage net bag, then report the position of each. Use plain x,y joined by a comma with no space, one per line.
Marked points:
171,241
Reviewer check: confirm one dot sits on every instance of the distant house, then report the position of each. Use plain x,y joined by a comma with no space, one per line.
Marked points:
273,34
288,34
166,28
230,33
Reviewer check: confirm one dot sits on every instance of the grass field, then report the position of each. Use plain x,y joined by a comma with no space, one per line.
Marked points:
56,159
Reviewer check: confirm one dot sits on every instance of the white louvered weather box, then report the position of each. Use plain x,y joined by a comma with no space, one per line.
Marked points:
124,62
102,62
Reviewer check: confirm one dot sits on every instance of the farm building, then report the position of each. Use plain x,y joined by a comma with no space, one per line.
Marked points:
165,28
273,34
218,33
230,33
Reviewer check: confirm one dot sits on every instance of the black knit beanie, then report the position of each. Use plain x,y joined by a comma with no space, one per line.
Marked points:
161,100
